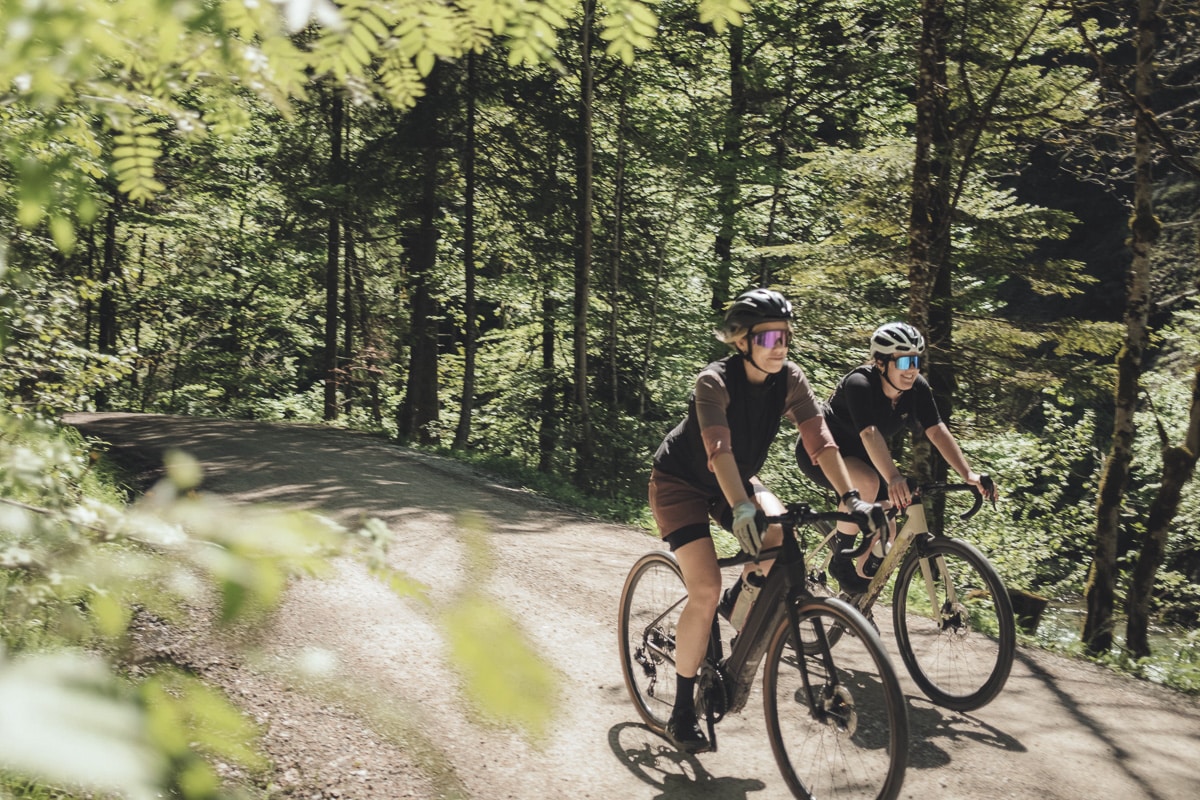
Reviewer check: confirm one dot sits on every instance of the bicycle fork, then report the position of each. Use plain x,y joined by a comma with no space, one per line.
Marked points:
946,614
821,700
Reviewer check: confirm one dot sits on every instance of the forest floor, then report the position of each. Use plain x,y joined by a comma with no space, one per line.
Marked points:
390,721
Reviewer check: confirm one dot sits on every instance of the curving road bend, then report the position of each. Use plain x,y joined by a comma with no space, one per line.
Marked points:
397,727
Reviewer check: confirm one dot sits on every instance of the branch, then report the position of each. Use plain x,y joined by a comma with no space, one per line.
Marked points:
1104,69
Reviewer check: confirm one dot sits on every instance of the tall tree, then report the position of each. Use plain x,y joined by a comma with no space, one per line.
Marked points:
420,410
1144,230
1179,464
333,246
584,446
729,170
462,433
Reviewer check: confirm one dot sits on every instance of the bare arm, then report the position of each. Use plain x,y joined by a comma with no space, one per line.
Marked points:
834,467
724,466
881,459
947,445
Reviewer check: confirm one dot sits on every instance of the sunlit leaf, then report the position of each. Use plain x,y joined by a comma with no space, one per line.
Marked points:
502,672
66,721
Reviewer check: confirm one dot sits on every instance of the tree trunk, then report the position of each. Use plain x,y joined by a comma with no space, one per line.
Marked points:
584,447
462,434
547,414
929,219
727,170
618,225
931,103
1144,230
420,409
352,364
333,248
107,307
1179,463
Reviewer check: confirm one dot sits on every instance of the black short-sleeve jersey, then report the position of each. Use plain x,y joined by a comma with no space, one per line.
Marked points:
858,402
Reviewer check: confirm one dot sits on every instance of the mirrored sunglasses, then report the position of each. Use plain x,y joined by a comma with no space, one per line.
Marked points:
907,362
770,339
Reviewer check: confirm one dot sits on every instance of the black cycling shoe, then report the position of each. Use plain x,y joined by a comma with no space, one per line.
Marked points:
683,729
842,568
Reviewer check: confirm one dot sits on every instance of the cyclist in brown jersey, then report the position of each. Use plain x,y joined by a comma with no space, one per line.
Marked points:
706,468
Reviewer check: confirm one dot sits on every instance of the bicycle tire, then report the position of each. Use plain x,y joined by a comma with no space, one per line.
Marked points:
962,657
651,600
851,739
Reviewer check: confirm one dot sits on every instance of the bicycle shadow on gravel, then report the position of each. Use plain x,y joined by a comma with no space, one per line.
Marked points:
677,775
928,724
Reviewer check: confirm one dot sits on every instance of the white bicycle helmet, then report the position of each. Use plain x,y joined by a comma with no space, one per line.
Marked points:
897,337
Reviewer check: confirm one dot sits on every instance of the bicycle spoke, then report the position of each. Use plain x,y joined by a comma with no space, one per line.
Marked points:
651,602
836,716
954,626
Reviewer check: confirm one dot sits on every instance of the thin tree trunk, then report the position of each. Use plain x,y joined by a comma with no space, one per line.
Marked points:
349,386
929,228
420,410
462,434
727,170
618,223
333,247
1144,231
107,307
1179,464
547,414
584,447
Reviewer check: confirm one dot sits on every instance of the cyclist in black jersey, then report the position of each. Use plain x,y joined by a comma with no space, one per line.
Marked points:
707,468
869,406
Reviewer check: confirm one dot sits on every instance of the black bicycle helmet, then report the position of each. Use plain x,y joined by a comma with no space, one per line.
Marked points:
897,337
757,306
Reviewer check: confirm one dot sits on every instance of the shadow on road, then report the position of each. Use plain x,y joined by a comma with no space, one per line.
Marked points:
677,775
931,727
305,466
1121,757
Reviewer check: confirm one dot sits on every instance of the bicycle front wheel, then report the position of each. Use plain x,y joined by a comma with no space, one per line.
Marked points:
836,717
954,624
651,601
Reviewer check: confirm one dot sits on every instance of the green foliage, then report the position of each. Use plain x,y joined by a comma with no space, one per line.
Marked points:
78,571
214,118
74,570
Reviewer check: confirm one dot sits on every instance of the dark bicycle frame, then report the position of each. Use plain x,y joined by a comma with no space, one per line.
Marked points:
784,591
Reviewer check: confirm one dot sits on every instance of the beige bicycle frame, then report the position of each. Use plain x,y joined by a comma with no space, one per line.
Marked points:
914,523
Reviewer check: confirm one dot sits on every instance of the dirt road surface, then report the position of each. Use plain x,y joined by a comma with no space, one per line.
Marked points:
1061,730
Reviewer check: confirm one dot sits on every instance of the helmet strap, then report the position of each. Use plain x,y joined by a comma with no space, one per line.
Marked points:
750,359
749,354
886,364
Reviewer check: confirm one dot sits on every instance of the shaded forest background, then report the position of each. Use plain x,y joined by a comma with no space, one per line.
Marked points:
520,256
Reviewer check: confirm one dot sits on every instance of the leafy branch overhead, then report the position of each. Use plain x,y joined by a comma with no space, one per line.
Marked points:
82,77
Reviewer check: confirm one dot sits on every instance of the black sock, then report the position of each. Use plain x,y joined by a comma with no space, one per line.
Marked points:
685,694
843,541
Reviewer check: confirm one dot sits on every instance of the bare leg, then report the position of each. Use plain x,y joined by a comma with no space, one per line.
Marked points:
702,577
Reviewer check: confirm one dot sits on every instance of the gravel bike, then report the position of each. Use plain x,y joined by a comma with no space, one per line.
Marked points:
836,719
952,616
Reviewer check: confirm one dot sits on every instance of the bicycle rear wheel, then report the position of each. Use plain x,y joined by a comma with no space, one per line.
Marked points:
651,601
954,624
836,717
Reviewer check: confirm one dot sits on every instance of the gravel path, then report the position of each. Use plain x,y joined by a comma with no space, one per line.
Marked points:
390,721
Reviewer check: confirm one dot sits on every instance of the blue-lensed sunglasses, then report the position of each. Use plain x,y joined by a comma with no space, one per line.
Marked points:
907,362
